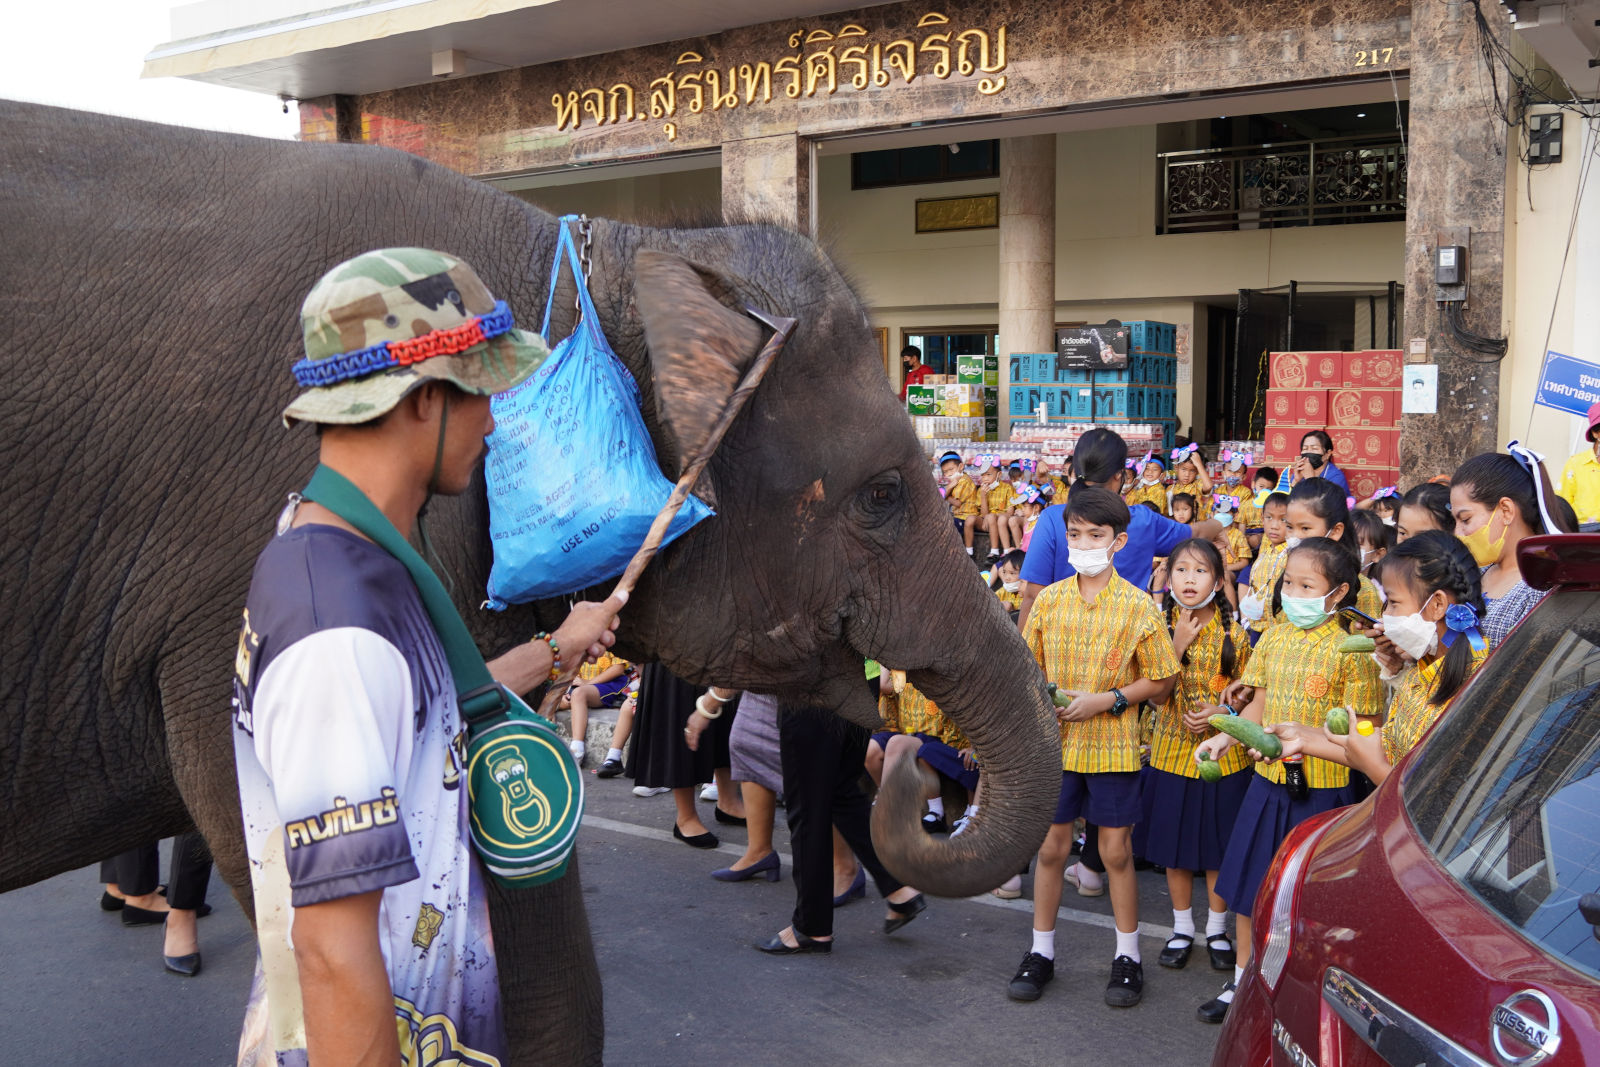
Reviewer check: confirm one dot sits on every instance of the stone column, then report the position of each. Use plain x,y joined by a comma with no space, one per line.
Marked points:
1027,249
768,179
1456,181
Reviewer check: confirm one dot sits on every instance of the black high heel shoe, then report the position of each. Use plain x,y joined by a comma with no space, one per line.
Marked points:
705,840
187,966
904,913
804,944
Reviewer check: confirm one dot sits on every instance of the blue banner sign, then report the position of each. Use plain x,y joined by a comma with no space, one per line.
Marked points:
1568,384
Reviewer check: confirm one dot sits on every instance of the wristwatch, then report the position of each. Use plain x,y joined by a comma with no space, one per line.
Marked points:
1120,705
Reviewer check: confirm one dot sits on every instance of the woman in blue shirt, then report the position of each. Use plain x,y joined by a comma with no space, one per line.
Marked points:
1316,460
1098,460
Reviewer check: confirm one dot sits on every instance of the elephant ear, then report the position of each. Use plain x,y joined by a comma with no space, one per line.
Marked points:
699,347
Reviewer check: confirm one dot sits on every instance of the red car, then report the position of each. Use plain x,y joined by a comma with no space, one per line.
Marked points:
1453,917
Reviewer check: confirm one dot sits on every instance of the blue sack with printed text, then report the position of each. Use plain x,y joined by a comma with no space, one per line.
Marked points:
572,473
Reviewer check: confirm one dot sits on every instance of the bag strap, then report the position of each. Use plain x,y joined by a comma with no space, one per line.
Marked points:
566,244
478,695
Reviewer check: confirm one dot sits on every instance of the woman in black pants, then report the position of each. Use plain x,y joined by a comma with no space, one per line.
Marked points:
133,876
823,761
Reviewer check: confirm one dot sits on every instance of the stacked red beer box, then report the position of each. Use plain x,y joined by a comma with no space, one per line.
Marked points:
1355,396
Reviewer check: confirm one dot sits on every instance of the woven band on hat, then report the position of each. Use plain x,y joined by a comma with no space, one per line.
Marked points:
311,373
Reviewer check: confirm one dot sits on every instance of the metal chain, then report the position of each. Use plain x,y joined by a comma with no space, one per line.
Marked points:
585,245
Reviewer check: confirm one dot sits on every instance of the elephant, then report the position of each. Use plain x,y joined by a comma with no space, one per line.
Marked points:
149,283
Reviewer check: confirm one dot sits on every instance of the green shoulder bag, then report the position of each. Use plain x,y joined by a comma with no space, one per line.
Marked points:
524,788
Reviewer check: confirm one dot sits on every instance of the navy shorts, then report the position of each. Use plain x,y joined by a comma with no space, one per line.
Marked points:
1109,799
947,761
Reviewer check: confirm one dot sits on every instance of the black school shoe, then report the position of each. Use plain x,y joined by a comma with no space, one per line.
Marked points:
1031,977
1222,958
1176,953
1215,1010
934,824
1126,987
609,769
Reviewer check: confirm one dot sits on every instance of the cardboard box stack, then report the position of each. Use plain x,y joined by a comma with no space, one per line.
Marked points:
1145,393
1354,396
973,392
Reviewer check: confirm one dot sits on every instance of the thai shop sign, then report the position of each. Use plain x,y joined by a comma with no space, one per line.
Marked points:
1568,384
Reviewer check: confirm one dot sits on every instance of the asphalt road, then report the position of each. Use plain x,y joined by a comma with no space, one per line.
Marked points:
682,983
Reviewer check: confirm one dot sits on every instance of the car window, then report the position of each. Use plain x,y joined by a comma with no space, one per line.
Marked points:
1505,790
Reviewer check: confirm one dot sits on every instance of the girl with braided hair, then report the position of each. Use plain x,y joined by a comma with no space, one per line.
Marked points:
1430,646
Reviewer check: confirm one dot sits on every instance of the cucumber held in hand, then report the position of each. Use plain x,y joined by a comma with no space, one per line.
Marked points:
1248,733
1338,721
1357,643
1210,769
1057,697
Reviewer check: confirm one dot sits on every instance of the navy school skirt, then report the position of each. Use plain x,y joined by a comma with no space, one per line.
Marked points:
1265,819
1185,822
938,755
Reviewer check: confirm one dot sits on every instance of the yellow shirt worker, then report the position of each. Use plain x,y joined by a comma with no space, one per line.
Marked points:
1580,478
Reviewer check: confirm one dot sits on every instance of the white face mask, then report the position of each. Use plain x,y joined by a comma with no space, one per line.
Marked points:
1147,481
1252,608
1196,607
1366,554
1011,587
1388,521
1226,518
1291,543
1412,634
1089,561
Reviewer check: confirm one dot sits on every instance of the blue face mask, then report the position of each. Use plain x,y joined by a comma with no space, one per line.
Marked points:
1226,518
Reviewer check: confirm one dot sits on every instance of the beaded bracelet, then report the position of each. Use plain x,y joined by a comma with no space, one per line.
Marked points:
555,653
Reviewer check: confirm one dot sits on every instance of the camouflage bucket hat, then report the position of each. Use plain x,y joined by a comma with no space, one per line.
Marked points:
380,324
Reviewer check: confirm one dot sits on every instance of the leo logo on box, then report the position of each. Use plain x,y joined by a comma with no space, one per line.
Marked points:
1347,406
1328,368
1280,405
1291,369
1313,407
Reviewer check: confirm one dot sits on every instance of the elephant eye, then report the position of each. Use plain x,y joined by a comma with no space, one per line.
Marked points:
880,498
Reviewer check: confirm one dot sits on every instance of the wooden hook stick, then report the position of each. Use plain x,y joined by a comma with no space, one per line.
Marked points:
781,329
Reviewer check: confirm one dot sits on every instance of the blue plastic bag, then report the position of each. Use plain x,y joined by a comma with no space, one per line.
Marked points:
572,473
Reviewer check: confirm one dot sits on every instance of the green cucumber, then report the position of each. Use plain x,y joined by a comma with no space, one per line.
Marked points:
1357,643
1057,697
1338,721
1248,733
1210,769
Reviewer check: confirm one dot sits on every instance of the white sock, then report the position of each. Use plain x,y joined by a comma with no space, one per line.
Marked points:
1128,945
1044,943
969,550
579,748
936,805
972,809
1216,923
1183,922
614,753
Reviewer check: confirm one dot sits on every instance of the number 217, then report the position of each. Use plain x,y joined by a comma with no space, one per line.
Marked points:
1375,57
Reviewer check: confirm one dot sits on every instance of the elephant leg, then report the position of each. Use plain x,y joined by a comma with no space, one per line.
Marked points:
200,746
550,994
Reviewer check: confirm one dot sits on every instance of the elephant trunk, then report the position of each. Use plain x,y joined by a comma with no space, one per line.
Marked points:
992,690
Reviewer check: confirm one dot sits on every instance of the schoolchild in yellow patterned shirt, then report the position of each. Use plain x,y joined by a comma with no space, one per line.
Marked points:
1296,674
919,731
1007,581
1429,647
1102,642
1151,487
1268,565
1186,820
1225,509
994,509
1318,508
1262,484
961,494
603,683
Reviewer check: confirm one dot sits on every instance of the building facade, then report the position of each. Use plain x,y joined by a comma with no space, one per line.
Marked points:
988,170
